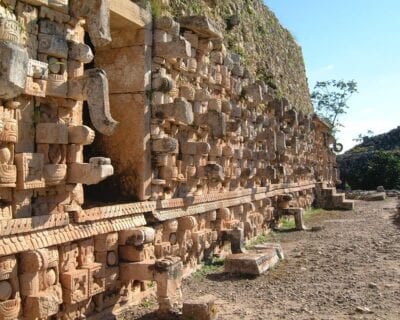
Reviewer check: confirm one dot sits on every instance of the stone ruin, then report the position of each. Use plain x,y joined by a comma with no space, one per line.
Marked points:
129,153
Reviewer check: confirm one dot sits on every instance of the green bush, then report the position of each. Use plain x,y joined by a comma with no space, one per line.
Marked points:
381,168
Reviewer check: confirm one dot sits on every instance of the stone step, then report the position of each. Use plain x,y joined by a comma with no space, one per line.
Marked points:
254,262
347,205
328,191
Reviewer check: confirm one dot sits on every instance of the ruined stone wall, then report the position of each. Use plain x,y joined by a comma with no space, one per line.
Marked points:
252,31
207,148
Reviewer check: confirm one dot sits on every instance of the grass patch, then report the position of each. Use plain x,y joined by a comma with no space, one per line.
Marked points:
156,8
287,222
260,239
147,304
213,266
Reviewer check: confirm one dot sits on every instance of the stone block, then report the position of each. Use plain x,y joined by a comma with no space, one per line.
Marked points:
53,45
93,172
51,133
177,48
30,170
253,262
202,308
202,26
14,68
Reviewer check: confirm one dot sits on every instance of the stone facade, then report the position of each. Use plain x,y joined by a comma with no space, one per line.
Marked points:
193,150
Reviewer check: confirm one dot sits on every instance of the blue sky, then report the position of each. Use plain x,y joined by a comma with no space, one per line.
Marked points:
351,39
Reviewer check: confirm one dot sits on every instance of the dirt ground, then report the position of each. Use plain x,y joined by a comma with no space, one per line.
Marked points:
348,270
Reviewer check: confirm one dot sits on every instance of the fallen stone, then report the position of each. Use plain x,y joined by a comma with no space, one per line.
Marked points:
376,197
255,262
201,25
203,308
380,189
364,310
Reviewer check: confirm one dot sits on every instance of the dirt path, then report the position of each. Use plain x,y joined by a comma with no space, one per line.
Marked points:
348,270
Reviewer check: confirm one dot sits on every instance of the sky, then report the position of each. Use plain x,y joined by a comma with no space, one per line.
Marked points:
351,39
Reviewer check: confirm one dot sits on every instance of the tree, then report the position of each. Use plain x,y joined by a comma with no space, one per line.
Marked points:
330,100
361,137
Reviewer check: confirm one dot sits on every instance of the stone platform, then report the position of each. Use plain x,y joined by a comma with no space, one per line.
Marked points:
254,262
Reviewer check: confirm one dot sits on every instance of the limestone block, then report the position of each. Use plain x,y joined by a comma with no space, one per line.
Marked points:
254,92
106,242
253,263
192,38
51,133
202,26
52,15
38,2
136,237
281,142
93,172
163,84
203,94
81,135
97,16
53,45
187,92
8,129
202,308
165,145
14,67
35,87
52,28
59,5
213,119
93,87
37,69
54,174
180,110
10,303
44,304
177,48
29,170
75,285
80,52
215,105
168,24
193,148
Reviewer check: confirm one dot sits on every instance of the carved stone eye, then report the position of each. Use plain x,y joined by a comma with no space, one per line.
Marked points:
51,277
111,258
5,290
172,238
5,155
54,65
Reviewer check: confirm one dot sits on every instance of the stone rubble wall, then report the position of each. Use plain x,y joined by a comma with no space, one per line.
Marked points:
225,152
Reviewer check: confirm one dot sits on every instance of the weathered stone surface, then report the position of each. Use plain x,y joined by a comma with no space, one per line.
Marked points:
97,16
14,68
205,147
201,25
202,308
180,110
93,172
253,263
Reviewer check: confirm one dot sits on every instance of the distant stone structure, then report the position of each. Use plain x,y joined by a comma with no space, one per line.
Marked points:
191,147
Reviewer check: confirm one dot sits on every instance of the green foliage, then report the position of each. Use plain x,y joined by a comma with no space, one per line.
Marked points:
330,99
288,223
361,137
147,304
213,266
156,8
381,168
260,239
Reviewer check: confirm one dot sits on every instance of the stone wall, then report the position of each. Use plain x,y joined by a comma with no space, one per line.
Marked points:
252,31
202,150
